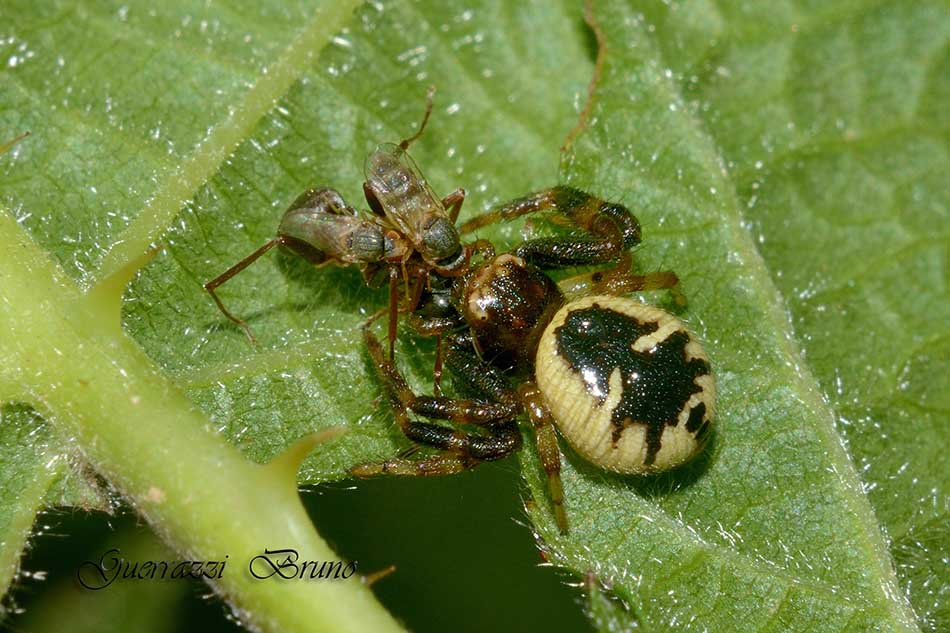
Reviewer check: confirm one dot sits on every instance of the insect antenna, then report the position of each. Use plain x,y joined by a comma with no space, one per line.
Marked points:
4,148
405,143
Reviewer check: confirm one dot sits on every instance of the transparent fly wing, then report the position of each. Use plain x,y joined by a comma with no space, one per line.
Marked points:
403,193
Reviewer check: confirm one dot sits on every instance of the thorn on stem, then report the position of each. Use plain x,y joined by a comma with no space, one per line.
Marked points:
372,578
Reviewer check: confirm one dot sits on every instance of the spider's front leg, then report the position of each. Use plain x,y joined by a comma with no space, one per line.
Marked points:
462,450
611,227
435,316
612,230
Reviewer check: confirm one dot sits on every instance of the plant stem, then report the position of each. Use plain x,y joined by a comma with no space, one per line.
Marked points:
67,352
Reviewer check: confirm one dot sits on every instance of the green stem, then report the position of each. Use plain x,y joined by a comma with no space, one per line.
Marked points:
67,352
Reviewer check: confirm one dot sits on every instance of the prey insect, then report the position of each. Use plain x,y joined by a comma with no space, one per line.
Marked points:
408,231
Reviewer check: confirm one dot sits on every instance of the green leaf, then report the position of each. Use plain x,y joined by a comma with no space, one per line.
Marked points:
788,162
28,473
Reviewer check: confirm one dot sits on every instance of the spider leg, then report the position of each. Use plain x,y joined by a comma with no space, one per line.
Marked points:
441,464
483,412
472,374
611,231
453,203
436,326
437,367
620,281
612,228
462,449
408,451
548,449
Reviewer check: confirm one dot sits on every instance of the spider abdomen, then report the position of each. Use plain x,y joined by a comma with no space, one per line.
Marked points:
630,388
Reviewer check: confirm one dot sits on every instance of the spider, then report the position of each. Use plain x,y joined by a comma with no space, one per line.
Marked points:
626,383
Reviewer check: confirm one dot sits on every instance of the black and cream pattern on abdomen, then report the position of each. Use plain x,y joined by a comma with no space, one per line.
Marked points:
658,379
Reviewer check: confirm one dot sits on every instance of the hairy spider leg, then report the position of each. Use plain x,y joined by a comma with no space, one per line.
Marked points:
543,423
612,227
462,450
436,326
620,281
501,406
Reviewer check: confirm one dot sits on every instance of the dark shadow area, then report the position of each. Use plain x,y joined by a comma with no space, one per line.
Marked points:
463,563
51,592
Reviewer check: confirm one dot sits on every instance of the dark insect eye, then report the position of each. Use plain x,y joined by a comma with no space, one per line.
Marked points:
367,243
441,238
